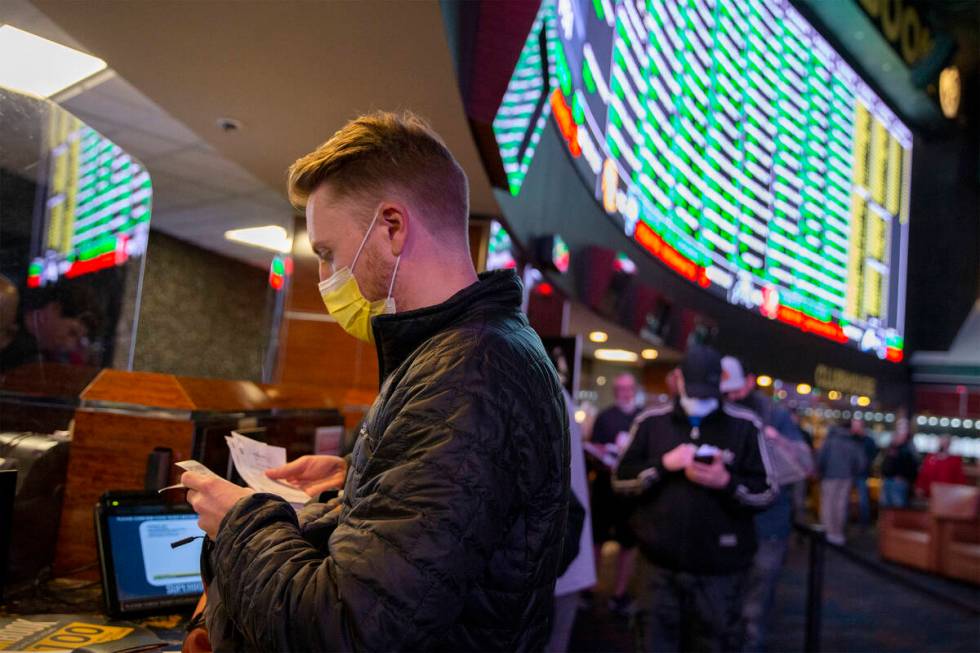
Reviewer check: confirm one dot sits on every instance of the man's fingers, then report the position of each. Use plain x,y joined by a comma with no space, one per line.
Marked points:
193,480
291,469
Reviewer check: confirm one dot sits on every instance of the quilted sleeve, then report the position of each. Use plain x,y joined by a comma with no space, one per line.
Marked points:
419,532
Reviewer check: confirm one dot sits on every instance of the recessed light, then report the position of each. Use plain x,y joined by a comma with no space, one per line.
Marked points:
32,64
764,381
649,354
616,355
271,237
803,389
598,336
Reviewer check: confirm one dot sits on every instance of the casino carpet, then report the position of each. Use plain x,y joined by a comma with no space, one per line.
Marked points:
862,610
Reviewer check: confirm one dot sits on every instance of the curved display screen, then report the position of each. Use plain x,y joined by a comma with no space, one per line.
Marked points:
730,141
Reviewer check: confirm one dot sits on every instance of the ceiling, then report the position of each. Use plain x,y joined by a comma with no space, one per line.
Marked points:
292,72
197,193
583,321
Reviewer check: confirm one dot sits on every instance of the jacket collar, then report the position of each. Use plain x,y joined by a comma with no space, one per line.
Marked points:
680,415
397,336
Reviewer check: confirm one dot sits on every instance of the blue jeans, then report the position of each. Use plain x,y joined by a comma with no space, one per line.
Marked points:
761,590
691,612
896,493
864,500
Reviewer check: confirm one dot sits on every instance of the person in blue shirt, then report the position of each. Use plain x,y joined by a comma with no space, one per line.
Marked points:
792,461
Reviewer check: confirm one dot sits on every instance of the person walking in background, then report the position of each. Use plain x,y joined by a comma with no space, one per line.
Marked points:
610,512
899,467
870,449
940,467
700,471
792,462
840,461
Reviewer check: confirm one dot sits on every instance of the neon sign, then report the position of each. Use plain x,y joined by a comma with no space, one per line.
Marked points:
731,142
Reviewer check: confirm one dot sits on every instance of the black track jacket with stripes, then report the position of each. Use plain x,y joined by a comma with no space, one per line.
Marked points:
683,526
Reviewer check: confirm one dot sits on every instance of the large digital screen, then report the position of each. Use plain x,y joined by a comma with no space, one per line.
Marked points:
96,210
731,142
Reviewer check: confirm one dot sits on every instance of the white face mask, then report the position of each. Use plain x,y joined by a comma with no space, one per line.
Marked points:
695,407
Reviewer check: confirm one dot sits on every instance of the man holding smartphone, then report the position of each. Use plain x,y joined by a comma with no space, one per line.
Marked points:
699,469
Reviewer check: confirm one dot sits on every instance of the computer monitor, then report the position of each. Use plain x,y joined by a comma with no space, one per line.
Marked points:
141,572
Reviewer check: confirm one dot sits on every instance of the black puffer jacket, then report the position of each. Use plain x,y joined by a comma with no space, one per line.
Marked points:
450,530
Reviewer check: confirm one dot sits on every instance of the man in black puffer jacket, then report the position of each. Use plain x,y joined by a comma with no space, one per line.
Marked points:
448,535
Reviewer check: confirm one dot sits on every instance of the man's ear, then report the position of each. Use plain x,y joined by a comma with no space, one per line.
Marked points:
397,222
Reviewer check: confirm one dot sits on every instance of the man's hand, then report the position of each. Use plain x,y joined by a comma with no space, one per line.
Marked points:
312,474
680,457
211,498
715,475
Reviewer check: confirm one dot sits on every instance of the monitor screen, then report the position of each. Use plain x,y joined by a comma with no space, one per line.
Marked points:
731,142
500,248
96,204
148,571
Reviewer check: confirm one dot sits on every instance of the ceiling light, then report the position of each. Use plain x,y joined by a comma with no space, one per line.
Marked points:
271,237
764,381
580,415
598,336
950,91
803,389
649,354
32,64
600,380
616,355
833,395
863,401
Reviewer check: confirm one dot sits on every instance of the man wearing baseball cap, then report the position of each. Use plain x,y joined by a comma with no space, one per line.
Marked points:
699,469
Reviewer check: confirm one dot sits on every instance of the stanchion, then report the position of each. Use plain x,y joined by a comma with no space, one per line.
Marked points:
814,590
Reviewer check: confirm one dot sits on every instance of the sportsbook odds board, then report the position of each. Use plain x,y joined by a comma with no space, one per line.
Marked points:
730,141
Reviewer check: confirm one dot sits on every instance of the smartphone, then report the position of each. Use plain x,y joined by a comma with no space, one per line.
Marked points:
706,454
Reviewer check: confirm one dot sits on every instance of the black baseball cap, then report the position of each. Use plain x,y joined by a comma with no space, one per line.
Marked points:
702,372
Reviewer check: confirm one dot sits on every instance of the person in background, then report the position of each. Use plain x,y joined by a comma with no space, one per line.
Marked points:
792,462
899,467
840,461
699,470
57,323
580,574
800,489
870,449
610,512
940,467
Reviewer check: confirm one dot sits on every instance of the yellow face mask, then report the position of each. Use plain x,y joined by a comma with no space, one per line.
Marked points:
345,302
